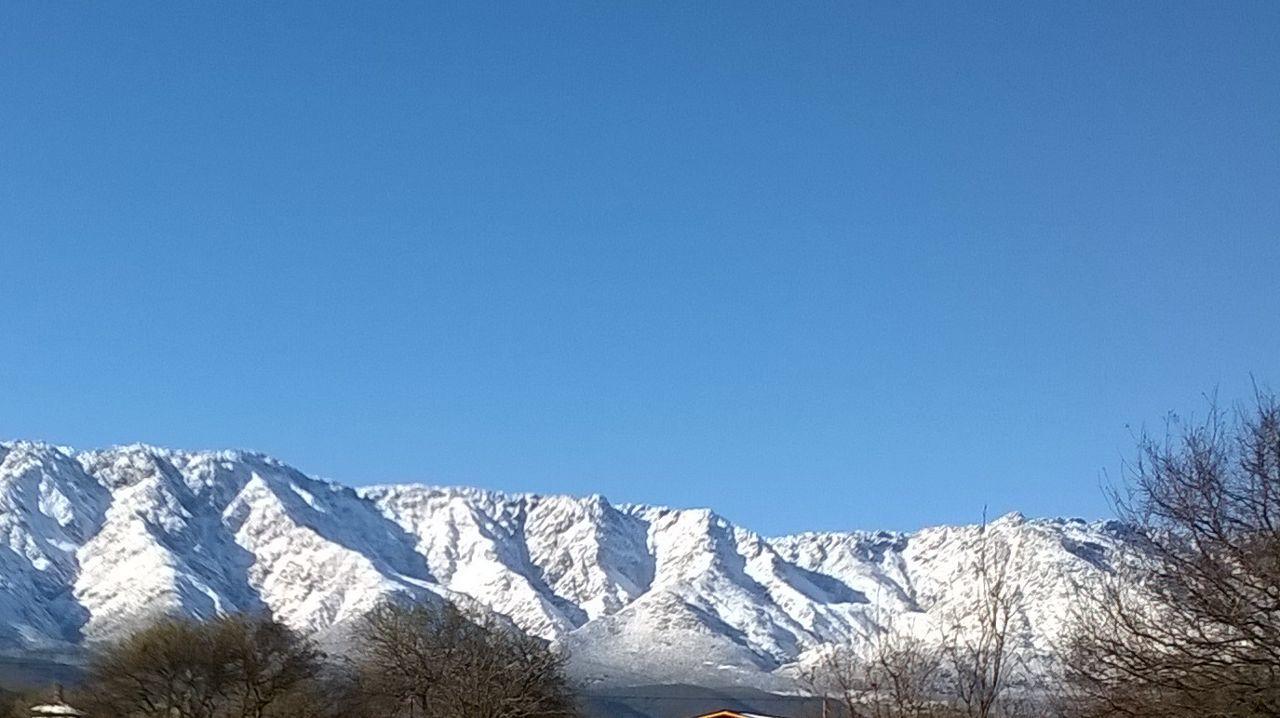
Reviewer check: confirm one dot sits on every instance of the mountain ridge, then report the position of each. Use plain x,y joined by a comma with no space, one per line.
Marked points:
96,542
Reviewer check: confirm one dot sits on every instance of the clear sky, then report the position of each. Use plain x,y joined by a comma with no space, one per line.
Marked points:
818,266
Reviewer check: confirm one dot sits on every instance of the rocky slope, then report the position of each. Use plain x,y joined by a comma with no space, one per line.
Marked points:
95,542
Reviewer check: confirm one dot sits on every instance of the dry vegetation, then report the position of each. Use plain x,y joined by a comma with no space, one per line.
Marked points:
1188,626
420,661
415,662
966,670
1193,629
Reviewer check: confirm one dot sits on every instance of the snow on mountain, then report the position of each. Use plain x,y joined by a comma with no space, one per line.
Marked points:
95,543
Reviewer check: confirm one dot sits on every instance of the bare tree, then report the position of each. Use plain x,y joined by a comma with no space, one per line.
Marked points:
903,675
965,669
421,661
978,636
172,669
274,668
836,680
896,676
230,667
1191,627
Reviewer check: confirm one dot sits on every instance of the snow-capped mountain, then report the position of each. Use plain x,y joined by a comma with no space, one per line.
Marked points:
95,542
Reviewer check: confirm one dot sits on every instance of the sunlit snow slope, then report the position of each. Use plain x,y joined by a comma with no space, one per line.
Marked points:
94,543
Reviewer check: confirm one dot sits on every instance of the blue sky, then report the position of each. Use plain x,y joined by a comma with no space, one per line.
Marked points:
819,266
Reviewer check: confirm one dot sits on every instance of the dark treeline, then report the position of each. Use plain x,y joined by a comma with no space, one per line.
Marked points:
407,661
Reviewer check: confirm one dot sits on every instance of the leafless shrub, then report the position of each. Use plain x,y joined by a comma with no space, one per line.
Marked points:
895,678
420,660
1191,626
964,669
978,641
230,667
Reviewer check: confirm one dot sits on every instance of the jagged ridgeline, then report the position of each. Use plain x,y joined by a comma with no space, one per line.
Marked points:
94,543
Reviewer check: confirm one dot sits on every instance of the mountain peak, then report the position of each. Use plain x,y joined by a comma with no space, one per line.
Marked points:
101,541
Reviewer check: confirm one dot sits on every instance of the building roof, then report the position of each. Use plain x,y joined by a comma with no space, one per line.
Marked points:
56,709
735,714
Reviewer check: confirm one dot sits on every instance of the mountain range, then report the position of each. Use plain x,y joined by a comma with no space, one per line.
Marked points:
95,543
